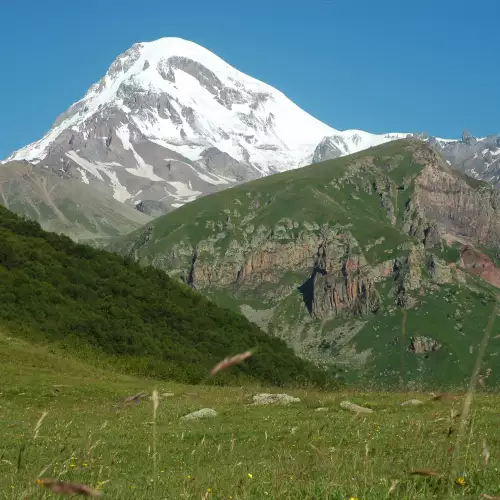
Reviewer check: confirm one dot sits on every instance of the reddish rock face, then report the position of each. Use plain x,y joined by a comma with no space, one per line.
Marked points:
479,263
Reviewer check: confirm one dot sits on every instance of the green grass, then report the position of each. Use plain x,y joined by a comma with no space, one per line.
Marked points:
452,315
449,253
247,452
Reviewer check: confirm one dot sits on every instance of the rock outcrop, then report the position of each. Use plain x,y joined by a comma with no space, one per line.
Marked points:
347,405
203,413
412,402
456,204
421,344
274,399
348,290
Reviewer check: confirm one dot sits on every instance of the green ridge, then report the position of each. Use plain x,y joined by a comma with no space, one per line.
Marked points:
364,207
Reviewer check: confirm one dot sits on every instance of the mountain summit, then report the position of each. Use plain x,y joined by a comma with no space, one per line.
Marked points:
171,121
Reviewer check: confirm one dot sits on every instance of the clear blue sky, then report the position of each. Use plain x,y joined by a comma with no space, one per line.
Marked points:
380,66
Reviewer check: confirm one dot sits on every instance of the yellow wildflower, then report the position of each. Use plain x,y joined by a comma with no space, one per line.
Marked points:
250,476
460,481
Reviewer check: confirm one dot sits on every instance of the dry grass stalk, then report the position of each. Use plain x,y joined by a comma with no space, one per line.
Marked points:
444,396
489,497
69,489
425,473
403,343
156,402
135,398
39,424
469,397
394,483
227,362
486,453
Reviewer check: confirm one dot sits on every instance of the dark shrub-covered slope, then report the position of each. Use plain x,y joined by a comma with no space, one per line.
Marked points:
96,302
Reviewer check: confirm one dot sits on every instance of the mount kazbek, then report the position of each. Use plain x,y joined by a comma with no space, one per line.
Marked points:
169,122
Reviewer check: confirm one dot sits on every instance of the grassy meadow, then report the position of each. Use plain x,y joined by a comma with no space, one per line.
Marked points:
87,435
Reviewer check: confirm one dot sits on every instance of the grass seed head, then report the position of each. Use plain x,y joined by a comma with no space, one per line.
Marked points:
69,489
227,362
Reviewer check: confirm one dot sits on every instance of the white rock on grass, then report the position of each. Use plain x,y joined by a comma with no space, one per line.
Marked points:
203,413
412,402
354,407
274,399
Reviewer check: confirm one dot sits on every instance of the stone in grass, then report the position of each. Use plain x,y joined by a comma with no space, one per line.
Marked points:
412,402
203,413
354,407
274,399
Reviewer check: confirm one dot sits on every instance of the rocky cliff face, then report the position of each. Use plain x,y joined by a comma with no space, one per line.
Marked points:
459,205
348,291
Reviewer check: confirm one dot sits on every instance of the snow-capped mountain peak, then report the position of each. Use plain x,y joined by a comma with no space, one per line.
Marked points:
170,121
199,98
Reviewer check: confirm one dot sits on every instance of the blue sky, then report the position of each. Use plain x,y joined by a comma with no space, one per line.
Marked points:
430,65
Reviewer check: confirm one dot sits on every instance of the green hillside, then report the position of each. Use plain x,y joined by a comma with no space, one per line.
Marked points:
329,257
111,311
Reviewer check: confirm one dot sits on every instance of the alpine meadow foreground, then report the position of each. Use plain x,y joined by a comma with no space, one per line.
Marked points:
61,419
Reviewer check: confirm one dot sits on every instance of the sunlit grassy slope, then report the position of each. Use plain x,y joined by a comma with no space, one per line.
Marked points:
247,452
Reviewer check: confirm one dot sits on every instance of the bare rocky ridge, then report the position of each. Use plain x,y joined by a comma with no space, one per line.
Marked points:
68,207
479,158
